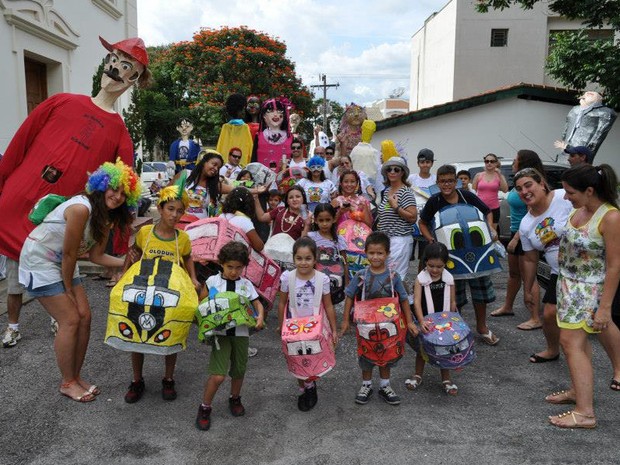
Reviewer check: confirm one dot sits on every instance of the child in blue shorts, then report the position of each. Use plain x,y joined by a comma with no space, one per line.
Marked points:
380,282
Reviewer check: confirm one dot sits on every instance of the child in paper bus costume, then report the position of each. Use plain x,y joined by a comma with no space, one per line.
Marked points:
381,340
229,347
307,313
152,306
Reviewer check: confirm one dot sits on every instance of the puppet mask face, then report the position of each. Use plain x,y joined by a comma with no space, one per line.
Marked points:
120,71
253,106
273,118
589,98
354,116
185,128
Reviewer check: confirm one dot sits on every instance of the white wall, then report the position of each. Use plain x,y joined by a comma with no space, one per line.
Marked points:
480,67
501,127
69,70
432,59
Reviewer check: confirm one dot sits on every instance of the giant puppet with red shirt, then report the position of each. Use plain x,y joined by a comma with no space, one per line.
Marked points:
63,139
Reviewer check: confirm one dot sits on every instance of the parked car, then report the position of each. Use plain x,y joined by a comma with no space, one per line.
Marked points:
154,171
553,173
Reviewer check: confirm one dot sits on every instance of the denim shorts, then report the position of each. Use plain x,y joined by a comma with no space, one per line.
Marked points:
50,290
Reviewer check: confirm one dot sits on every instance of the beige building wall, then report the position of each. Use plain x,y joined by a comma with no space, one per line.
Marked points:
433,49
452,57
63,35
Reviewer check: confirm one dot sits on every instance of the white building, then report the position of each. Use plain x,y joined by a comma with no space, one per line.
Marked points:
386,108
460,52
50,46
500,122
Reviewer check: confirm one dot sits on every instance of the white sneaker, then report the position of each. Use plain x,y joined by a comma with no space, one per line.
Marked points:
10,337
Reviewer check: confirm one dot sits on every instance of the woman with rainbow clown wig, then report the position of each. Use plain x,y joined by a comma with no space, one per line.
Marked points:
48,263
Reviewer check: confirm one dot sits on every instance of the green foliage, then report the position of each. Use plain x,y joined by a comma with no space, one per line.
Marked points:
575,60
194,78
97,80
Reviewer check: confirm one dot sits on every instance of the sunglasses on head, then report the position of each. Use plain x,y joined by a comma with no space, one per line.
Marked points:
393,169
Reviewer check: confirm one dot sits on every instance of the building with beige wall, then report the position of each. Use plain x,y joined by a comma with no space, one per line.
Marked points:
49,47
459,52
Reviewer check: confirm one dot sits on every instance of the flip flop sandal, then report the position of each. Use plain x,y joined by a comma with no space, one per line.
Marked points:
94,390
535,358
524,327
450,388
84,398
561,397
614,385
489,338
502,314
574,425
413,383
111,283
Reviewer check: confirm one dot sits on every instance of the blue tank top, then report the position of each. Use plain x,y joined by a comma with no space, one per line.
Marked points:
518,210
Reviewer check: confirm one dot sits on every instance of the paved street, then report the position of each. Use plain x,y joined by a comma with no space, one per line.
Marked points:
499,415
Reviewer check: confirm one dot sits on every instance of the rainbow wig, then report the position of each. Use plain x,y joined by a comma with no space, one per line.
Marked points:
175,191
111,176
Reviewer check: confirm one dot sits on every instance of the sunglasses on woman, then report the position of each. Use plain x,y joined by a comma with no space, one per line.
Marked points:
393,169
489,160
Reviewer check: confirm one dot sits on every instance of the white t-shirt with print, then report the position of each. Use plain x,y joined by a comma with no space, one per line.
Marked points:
304,292
543,232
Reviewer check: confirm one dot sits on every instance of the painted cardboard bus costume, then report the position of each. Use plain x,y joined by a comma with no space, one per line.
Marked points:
63,139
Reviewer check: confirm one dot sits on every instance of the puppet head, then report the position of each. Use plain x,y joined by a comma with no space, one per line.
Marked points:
274,115
185,128
590,98
252,108
112,176
388,150
235,105
368,129
125,65
353,117
294,121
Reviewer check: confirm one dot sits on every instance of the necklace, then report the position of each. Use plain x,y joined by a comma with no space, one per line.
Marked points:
291,220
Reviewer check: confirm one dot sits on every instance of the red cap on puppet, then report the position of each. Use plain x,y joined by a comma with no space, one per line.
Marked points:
133,47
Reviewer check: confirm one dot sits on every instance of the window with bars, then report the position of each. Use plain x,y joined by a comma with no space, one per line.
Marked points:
499,37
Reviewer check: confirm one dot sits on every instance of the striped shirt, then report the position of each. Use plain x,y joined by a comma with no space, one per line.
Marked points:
390,222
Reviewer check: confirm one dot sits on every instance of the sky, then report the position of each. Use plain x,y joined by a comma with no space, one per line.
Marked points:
363,46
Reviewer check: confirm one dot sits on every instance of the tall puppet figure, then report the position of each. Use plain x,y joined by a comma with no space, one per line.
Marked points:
587,124
60,142
252,114
235,133
184,151
350,128
273,141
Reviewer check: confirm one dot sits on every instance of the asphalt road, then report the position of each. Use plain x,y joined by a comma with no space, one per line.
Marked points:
499,415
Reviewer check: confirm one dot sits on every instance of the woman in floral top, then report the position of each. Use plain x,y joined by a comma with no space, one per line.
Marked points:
589,271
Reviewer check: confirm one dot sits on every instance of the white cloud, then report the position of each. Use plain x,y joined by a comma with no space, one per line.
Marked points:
363,46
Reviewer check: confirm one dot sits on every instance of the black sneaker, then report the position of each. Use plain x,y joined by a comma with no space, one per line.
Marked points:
134,394
363,395
203,419
236,407
302,403
388,395
167,391
311,396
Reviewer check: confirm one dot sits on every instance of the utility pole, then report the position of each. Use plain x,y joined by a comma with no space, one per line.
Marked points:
325,85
